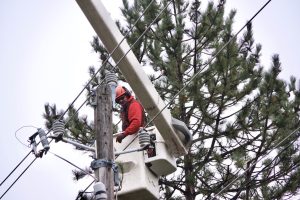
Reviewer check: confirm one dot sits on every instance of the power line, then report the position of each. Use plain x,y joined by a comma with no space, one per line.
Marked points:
84,191
146,30
15,168
29,126
276,146
23,158
19,176
197,73
82,91
225,45
218,52
64,159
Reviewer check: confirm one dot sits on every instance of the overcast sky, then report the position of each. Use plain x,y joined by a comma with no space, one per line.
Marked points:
45,53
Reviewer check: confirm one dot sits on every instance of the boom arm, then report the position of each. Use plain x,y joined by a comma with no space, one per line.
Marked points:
110,35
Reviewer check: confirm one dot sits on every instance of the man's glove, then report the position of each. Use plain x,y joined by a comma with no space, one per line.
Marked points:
120,137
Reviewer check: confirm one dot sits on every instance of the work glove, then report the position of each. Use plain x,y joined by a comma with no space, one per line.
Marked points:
120,137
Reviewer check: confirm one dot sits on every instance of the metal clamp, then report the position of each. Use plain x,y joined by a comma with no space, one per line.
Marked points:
115,168
92,99
95,164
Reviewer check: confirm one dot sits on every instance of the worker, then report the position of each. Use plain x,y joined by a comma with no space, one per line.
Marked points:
132,113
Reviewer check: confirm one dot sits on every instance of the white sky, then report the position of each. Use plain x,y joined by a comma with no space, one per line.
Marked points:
45,53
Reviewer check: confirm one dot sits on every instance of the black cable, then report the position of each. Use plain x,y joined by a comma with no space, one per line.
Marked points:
29,126
84,89
279,143
21,160
15,168
18,177
64,159
218,52
84,191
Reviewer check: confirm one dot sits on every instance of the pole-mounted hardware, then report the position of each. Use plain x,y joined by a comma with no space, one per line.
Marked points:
100,191
43,139
144,138
58,132
111,79
92,98
144,142
96,164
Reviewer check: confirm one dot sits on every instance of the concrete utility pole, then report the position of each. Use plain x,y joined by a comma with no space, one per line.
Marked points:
104,138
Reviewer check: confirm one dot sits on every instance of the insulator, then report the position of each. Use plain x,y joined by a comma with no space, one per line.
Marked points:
111,78
58,128
33,147
44,140
100,191
144,138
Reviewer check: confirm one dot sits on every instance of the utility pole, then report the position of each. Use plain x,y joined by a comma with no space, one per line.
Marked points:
104,139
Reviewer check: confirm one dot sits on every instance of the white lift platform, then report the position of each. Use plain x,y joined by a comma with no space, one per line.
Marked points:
140,171
178,140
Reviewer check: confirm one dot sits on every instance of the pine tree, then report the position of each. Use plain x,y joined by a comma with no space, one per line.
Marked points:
239,114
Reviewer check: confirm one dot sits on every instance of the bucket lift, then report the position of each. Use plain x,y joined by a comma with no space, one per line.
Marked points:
178,140
140,169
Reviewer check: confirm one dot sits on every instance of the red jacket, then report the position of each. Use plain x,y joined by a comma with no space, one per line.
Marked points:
133,117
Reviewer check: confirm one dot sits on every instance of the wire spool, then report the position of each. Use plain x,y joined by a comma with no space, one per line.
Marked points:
144,138
58,128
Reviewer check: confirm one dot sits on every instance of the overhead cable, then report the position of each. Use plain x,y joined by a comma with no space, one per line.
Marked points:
61,117
262,157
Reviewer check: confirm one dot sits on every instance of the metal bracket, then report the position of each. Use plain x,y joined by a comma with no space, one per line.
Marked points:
95,164
92,99
115,168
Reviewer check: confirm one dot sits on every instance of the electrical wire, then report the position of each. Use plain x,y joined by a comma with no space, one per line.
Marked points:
146,30
80,93
15,168
175,95
218,52
197,73
18,177
29,126
64,159
276,146
31,151
84,191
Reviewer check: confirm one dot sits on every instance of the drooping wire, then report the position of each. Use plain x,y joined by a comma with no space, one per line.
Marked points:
29,126
64,159
22,159
80,93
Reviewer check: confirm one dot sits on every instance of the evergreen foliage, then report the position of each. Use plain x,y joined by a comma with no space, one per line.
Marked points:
240,115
